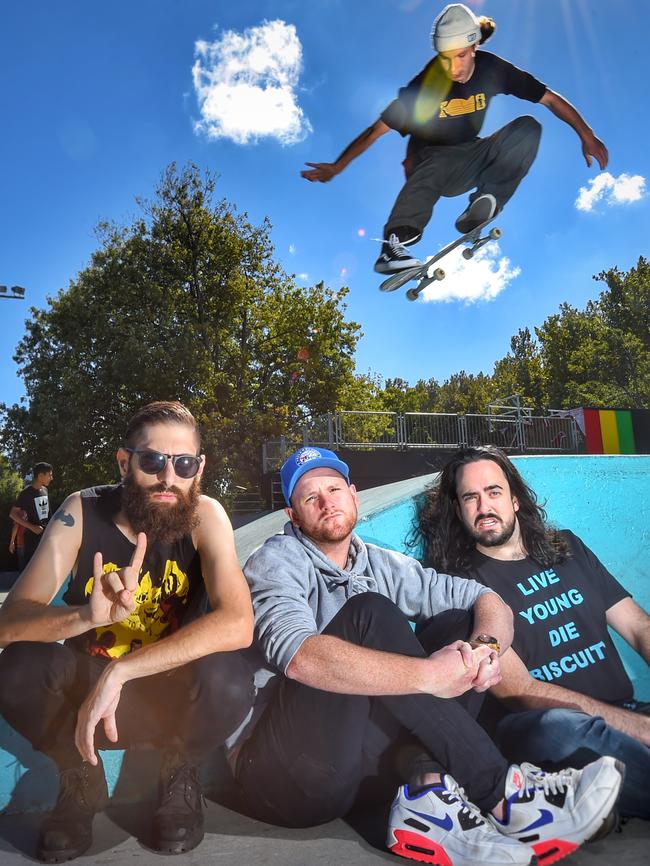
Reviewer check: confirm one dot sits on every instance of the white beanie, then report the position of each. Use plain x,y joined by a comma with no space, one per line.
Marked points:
455,27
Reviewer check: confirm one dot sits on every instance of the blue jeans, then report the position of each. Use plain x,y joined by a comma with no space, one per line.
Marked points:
558,738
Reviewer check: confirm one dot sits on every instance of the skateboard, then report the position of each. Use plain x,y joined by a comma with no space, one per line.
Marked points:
424,273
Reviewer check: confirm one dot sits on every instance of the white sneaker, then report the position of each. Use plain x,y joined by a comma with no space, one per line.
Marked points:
555,813
440,826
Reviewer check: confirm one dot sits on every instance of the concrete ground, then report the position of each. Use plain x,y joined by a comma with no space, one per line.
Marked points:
232,838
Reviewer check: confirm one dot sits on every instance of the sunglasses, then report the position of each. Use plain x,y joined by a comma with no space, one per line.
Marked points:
154,462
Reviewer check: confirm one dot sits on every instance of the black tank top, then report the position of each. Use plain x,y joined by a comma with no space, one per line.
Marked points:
170,582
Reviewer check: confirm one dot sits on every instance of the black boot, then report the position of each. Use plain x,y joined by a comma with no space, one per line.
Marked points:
67,833
178,822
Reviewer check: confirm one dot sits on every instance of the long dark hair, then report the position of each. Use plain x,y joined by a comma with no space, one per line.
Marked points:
443,539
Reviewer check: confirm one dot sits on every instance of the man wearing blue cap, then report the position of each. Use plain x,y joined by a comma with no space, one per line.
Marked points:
346,687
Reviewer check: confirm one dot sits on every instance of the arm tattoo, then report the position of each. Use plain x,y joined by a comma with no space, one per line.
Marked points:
65,518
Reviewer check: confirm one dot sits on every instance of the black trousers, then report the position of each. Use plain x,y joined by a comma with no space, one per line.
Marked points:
191,709
496,164
315,755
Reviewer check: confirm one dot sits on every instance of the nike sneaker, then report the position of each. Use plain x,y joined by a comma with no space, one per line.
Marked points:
555,813
395,257
479,211
439,825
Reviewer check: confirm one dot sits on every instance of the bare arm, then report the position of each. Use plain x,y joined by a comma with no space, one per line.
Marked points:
493,616
229,626
26,613
633,625
325,171
591,145
519,691
334,665
19,516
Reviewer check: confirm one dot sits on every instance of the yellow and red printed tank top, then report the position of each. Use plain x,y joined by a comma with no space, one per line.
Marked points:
169,586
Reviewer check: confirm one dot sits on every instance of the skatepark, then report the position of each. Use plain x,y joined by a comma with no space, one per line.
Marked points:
599,497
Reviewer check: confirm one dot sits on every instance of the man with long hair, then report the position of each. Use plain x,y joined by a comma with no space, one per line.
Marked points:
442,111
347,682
563,678
130,659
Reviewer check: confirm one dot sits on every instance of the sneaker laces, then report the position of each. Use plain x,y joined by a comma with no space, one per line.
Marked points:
467,808
397,247
550,783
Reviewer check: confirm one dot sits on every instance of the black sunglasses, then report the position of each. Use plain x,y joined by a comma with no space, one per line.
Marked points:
154,462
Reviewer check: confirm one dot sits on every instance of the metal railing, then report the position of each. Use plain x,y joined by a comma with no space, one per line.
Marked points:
403,430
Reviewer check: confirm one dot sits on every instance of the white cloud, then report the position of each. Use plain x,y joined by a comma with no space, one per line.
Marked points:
303,277
480,279
611,190
246,85
292,249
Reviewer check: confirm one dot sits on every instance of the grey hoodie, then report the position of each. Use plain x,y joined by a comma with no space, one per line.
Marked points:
297,590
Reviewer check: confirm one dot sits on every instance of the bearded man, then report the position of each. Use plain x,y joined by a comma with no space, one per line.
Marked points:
354,689
131,647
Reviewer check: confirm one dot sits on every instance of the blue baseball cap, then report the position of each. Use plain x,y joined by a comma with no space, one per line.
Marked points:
304,460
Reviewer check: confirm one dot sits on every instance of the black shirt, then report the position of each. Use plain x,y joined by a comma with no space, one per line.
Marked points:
560,619
433,109
36,504
170,584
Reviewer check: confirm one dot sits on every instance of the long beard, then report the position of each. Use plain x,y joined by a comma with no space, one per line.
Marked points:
160,521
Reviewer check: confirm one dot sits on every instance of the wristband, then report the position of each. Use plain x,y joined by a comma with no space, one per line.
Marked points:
485,640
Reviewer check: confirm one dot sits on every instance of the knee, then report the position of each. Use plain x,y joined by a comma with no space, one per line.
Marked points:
374,604
16,671
223,680
530,129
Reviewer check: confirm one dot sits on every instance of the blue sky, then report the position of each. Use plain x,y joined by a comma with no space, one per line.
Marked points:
98,98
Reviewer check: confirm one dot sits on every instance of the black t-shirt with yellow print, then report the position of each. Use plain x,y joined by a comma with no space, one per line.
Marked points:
170,585
435,110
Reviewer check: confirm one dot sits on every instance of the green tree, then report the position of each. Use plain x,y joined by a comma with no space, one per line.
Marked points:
10,486
185,302
522,371
466,393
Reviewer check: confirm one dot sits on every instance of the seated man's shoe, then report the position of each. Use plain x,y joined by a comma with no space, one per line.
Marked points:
439,825
480,211
178,822
555,813
395,257
67,832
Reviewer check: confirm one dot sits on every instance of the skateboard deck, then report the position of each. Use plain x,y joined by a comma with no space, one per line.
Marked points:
426,274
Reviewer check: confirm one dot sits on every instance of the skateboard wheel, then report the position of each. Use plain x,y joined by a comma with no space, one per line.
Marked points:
495,233
468,254
439,274
412,294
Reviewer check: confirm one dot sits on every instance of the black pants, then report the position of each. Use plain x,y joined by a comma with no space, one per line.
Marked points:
496,164
314,755
191,709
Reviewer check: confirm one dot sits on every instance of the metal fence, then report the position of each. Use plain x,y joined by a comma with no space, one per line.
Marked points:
548,434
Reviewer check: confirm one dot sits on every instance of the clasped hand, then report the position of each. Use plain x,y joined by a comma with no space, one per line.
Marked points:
459,668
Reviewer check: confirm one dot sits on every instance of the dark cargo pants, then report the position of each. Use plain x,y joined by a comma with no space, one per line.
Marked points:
496,164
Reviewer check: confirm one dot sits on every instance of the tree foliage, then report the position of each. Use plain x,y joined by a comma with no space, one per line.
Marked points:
186,302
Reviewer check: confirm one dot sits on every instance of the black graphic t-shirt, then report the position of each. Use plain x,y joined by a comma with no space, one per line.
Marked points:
560,626
169,587
36,504
433,109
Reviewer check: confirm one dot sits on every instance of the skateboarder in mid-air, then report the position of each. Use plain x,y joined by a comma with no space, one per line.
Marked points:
442,110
